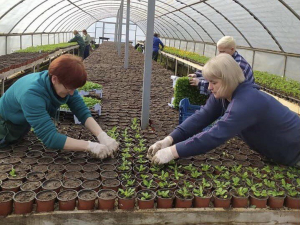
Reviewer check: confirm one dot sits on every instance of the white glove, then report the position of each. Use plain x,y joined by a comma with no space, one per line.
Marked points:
111,143
163,156
98,150
166,142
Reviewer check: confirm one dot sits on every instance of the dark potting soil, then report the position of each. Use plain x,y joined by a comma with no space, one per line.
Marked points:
51,184
54,175
22,167
39,168
90,175
78,160
107,167
49,154
6,196
47,195
34,154
110,161
35,176
91,184
67,195
90,167
30,185
80,154
107,194
71,183
61,161
18,154
45,160
29,161
24,196
3,176
109,174
5,167
12,160
87,195
73,175
3,155
11,184
111,183
56,167
73,167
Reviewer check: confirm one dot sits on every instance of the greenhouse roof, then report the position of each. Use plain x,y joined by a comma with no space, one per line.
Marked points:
262,24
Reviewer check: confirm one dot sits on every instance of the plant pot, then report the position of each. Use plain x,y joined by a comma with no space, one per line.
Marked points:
258,202
91,185
220,202
165,203
107,167
106,199
90,175
126,203
181,202
6,202
292,202
154,186
24,202
35,176
45,201
39,168
73,175
11,185
73,167
52,184
146,204
19,175
67,200
108,174
70,184
86,199
275,202
113,184
90,167
202,202
238,201
139,178
31,186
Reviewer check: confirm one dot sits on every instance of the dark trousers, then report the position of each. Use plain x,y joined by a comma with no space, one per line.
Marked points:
86,51
154,55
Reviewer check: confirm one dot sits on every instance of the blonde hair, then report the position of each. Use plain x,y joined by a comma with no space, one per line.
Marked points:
225,68
227,42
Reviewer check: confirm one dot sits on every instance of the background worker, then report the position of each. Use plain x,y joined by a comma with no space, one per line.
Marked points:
79,41
227,45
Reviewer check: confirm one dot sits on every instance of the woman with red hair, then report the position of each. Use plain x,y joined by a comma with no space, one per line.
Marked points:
33,100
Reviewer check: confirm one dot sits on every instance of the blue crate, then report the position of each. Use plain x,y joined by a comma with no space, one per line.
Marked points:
186,109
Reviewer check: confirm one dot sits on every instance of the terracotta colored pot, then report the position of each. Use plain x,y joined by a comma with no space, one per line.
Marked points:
52,184
67,200
276,202
146,204
31,186
183,203
292,202
165,203
258,202
126,203
21,206
76,184
107,184
239,202
6,202
106,199
45,201
91,185
202,202
221,203
86,199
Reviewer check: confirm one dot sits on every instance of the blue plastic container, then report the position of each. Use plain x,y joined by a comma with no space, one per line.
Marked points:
186,109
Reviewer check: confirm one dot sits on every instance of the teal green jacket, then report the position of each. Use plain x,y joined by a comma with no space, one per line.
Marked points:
79,40
32,101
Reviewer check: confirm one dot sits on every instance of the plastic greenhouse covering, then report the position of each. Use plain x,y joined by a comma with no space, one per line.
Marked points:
266,31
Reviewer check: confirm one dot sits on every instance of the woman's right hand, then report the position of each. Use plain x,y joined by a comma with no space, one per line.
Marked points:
166,142
192,75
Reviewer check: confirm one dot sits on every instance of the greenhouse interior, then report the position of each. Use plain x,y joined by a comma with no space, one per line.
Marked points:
150,112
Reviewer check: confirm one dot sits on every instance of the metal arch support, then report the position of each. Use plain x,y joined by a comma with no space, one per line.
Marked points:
208,20
26,15
261,23
82,9
288,7
11,8
52,20
41,14
69,23
230,23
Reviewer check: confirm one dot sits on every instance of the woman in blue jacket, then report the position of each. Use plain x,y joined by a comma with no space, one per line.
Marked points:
33,100
261,121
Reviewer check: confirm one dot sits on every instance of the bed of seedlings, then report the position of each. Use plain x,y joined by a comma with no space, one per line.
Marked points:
37,179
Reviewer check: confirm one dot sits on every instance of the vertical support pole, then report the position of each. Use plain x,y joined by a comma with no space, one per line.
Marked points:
135,35
41,39
5,45
2,87
120,27
20,41
48,40
32,40
284,70
116,27
148,65
127,35
253,57
103,29
176,63
188,69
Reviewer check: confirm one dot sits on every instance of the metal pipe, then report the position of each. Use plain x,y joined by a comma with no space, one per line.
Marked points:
127,35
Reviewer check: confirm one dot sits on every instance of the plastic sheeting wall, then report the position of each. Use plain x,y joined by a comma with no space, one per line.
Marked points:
263,61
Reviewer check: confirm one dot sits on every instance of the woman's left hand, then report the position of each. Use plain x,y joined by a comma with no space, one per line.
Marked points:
111,143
